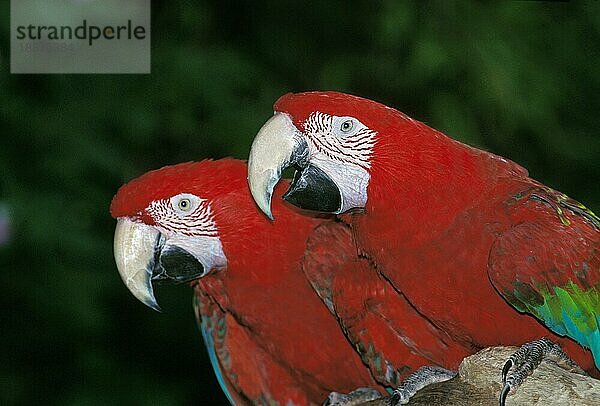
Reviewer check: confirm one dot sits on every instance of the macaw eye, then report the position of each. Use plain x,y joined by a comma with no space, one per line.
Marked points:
347,126
185,205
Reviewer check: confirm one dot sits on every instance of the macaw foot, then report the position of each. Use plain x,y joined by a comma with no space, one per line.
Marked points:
419,379
356,397
527,358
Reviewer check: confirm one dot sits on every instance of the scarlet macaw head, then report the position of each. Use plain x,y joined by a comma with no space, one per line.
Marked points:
171,221
332,141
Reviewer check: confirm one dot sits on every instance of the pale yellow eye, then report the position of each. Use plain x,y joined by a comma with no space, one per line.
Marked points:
185,205
347,126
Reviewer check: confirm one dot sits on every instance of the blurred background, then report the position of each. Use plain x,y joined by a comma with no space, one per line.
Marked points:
521,79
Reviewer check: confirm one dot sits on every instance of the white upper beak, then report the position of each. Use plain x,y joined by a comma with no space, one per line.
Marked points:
272,152
134,246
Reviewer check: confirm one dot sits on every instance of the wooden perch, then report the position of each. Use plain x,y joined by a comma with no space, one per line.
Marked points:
479,383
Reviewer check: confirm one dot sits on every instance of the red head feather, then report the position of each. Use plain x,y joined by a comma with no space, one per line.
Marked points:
374,115
207,179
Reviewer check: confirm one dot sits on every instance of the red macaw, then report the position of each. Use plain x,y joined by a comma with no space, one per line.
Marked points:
269,336
476,249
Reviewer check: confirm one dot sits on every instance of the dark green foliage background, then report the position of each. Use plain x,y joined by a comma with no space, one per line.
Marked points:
521,79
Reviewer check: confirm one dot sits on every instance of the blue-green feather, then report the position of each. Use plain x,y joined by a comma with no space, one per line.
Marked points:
207,334
573,312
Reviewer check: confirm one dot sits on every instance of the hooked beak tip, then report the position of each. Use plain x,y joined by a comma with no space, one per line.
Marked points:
266,209
154,306
140,286
262,192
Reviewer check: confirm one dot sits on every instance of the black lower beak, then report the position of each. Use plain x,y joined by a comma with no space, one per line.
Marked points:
176,265
312,189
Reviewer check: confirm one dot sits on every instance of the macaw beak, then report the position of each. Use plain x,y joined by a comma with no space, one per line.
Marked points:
143,256
278,146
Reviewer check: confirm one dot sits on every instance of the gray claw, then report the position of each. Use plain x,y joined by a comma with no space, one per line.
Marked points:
504,394
358,396
526,359
419,379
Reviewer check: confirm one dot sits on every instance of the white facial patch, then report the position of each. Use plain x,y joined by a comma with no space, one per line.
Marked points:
342,147
207,250
352,181
187,221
